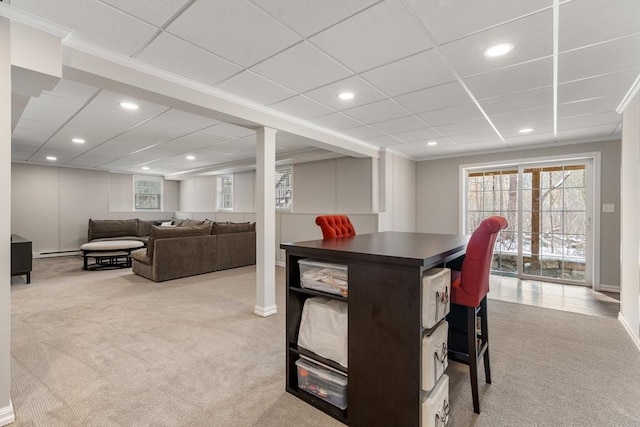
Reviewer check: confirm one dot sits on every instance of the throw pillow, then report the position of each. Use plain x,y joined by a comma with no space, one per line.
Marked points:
191,222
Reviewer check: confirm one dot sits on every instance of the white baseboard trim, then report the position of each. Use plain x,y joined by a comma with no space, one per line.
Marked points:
265,311
281,264
609,288
634,338
7,416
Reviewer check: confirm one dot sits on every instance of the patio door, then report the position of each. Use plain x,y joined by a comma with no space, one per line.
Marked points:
549,210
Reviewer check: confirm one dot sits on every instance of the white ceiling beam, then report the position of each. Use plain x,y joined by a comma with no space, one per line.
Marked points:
86,64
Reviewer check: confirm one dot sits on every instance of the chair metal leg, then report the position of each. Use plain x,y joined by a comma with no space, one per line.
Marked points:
485,337
473,357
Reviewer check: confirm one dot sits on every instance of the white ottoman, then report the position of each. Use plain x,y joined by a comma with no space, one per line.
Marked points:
109,253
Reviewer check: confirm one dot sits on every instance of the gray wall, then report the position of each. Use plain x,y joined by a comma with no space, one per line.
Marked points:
52,205
438,195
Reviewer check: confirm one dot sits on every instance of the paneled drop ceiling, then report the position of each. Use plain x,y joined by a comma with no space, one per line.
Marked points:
416,69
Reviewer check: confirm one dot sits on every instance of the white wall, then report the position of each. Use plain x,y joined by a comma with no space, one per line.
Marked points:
438,198
342,185
52,205
6,409
630,247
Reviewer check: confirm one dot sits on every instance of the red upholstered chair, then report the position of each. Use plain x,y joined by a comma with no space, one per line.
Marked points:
468,341
335,226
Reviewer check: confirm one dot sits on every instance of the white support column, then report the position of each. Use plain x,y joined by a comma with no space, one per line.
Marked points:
6,408
266,223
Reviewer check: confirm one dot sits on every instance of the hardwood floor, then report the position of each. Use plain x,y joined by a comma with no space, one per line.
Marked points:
577,299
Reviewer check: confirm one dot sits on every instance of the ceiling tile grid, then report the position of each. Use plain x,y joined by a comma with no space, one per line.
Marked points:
416,69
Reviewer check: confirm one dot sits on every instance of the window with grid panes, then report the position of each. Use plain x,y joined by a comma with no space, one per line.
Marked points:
225,192
147,193
284,190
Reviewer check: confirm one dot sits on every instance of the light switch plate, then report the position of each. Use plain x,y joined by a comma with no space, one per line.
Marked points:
608,207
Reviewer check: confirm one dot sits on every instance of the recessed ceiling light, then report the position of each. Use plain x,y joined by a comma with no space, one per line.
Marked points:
191,157
145,168
346,96
129,105
432,143
52,158
498,50
525,130
78,140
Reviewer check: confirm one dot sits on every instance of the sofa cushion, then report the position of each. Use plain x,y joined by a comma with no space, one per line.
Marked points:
232,227
144,228
192,222
166,232
99,229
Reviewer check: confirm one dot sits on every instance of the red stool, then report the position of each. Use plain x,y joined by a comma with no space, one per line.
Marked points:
335,226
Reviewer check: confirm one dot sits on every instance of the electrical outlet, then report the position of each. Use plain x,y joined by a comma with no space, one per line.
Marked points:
608,207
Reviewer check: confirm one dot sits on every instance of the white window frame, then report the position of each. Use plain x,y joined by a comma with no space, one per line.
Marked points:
290,207
220,194
158,179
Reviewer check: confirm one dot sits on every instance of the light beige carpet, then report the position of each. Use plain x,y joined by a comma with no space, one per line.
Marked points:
108,348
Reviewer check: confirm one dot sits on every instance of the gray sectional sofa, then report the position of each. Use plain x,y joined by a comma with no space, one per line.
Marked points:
181,251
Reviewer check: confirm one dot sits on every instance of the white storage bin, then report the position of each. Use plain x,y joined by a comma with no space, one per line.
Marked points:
324,328
434,355
325,277
436,288
326,383
435,408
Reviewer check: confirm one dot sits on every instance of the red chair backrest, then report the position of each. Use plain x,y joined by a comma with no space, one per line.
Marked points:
474,279
335,226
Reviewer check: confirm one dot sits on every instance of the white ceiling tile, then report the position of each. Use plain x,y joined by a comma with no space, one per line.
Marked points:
435,98
33,133
362,132
541,129
587,22
589,106
336,121
589,121
450,20
301,68
424,134
155,12
111,101
69,89
235,30
609,84
255,88
441,141
531,36
479,146
605,58
416,72
518,101
445,116
402,124
310,16
473,138
384,141
531,75
470,126
523,119
542,137
227,129
363,92
377,111
303,107
185,59
49,108
376,36
601,131
118,118
93,22
186,120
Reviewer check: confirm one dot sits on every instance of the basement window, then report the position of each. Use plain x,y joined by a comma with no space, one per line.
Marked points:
284,188
147,193
225,192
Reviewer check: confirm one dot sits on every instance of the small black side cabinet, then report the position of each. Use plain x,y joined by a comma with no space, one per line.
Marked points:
21,257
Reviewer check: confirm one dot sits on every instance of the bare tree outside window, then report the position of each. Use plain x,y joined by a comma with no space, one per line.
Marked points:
284,189
147,193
